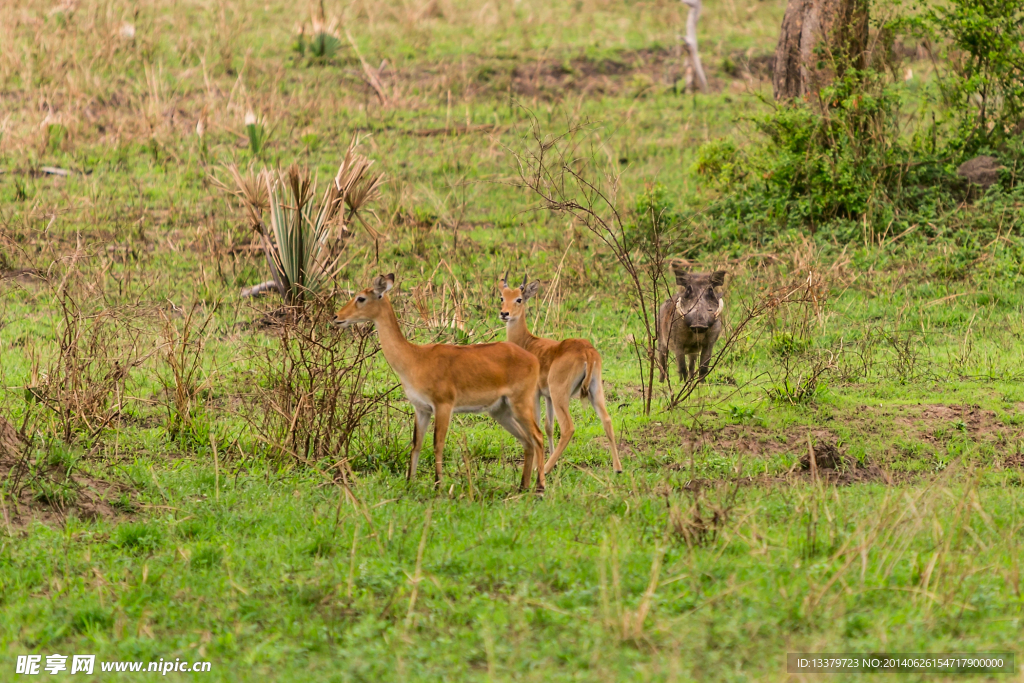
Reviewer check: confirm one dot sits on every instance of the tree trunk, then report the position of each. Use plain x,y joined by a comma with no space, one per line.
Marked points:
820,39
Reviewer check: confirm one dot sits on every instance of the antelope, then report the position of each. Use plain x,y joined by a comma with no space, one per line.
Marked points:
568,369
499,379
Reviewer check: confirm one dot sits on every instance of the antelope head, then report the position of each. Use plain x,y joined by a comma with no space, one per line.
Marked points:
366,305
513,299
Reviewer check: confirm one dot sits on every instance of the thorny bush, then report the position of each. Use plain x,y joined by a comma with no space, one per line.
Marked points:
316,388
84,385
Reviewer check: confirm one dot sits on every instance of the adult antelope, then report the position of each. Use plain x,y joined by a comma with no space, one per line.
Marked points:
568,369
499,379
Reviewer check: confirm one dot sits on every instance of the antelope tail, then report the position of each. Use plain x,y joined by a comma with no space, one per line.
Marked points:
592,361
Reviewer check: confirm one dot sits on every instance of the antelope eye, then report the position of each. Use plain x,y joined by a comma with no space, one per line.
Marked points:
360,299
519,301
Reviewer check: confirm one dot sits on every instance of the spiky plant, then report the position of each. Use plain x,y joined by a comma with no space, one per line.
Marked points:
324,43
324,40
360,188
300,226
296,236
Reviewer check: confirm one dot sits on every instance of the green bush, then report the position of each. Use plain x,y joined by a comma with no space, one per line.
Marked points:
840,166
983,90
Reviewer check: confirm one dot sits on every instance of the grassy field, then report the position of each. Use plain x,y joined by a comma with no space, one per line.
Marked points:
161,503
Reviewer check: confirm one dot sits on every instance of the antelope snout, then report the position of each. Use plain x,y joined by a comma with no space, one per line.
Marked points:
504,316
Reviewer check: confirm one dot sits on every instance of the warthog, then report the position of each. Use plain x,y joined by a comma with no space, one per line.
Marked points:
690,322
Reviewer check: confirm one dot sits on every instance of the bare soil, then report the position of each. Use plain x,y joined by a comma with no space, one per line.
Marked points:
90,497
928,424
550,79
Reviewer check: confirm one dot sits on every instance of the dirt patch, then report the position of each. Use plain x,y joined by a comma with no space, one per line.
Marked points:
637,71
901,428
47,492
926,420
827,456
627,72
751,440
936,425
22,275
852,474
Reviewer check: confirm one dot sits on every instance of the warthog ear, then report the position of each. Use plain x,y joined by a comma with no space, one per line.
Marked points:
382,284
681,271
718,278
530,290
680,265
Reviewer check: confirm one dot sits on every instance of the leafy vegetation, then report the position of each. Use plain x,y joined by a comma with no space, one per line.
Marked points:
983,83
186,473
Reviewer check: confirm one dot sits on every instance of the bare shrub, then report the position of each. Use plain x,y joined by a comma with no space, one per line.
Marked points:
802,380
564,171
84,384
315,387
885,350
183,380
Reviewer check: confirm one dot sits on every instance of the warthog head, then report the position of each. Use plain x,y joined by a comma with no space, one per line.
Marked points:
697,303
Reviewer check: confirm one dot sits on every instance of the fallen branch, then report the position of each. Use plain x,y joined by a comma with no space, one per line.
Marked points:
372,75
259,290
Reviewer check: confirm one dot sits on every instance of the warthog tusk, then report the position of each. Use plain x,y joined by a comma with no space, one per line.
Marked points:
721,305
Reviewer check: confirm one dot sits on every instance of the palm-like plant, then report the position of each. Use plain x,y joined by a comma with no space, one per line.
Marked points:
296,236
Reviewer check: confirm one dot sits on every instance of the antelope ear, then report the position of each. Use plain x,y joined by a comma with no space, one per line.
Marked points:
382,284
718,278
530,290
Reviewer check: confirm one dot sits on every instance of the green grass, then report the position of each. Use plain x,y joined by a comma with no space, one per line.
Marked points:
711,557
